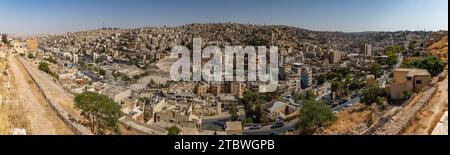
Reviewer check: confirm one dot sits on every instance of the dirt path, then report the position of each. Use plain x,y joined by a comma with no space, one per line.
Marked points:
427,118
43,121
53,90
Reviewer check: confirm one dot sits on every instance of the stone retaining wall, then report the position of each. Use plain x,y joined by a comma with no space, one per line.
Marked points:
74,126
142,127
398,123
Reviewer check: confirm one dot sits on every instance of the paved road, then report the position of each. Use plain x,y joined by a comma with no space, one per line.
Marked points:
267,130
386,75
352,102
211,124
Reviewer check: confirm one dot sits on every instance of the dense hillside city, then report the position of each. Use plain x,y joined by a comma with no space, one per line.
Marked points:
357,83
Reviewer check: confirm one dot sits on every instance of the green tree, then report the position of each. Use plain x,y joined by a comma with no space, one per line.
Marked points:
173,130
247,121
252,102
310,95
336,87
43,66
30,56
392,57
144,100
5,39
321,79
406,95
312,115
297,97
234,112
379,100
354,84
412,45
51,60
331,75
376,70
152,84
395,49
147,116
101,111
343,72
391,52
370,93
102,72
430,63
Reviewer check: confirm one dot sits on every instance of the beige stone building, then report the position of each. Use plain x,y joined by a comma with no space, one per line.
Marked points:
233,128
19,47
216,89
32,46
278,108
334,57
2,50
238,89
201,89
407,80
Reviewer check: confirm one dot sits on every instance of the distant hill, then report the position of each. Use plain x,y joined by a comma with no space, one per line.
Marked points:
440,48
147,41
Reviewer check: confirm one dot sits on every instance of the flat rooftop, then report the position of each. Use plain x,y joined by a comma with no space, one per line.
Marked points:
413,72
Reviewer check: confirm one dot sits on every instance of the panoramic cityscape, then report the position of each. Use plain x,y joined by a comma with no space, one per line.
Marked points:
351,69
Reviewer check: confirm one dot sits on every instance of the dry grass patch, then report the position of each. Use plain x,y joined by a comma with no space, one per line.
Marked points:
350,120
11,116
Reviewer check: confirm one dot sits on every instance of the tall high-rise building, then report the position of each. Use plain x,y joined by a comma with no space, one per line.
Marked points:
334,56
306,77
74,58
95,56
367,49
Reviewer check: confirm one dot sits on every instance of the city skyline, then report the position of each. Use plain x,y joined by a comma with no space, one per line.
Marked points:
56,17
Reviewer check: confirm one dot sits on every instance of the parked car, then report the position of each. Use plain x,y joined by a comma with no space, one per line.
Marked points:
334,104
277,125
219,123
343,101
279,119
255,127
359,92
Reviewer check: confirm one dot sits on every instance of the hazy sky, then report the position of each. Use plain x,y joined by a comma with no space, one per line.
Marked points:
59,16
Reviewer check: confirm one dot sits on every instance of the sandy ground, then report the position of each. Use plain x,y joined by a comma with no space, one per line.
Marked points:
165,64
350,119
43,121
11,113
427,118
124,130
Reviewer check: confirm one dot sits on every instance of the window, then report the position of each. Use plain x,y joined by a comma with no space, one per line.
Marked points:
419,82
408,78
